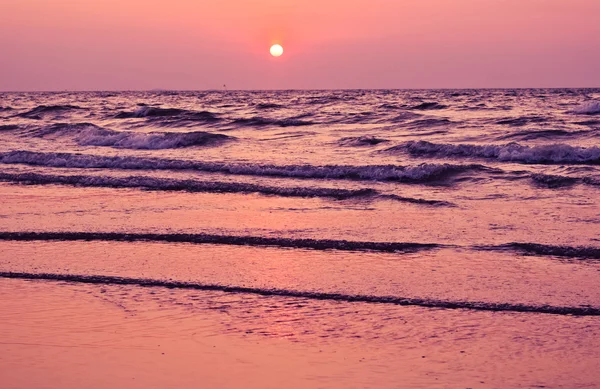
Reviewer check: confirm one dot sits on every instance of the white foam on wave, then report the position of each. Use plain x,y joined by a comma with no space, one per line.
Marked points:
149,141
588,108
512,152
86,134
417,173
167,184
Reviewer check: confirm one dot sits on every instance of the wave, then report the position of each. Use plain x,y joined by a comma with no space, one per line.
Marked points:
403,117
428,123
434,203
588,108
315,100
557,251
66,129
522,121
423,173
365,140
235,240
40,111
512,152
146,111
165,113
152,140
268,106
429,106
592,180
3,109
395,300
388,106
543,134
87,134
577,252
259,121
9,127
554,181
165,184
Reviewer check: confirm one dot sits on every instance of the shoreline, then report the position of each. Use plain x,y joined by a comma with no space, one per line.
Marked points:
68,335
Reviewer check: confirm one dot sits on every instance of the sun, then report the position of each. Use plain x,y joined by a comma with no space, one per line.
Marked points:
276,50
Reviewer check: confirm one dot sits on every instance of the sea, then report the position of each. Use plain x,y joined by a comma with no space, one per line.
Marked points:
451,221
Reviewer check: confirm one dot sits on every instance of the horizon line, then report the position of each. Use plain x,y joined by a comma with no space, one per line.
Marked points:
288,89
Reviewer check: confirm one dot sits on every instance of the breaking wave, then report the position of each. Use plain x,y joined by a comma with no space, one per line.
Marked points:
429,106
554,181
423,173
9,127
557,251
592,180
512,152
365,140
543,134
428,123
87,134
165,184
396,300
537,249
589,108
268,106
66,129
234,240
145,111
522,121
152,140
40,111
259,121
156,112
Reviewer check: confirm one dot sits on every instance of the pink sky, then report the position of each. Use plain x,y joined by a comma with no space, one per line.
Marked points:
202,44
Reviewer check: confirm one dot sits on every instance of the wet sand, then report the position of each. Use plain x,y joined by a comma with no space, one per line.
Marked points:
68,335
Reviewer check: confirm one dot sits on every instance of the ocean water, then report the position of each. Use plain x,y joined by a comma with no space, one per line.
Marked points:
467,208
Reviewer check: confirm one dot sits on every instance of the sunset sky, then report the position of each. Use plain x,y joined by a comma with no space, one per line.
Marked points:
202,44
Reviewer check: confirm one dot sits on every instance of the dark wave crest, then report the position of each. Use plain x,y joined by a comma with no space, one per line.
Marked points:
170,113
522,121
592,180
9,127
165,184
67,129
150,112
429,106
268,106
259,121
404,301
152,140
588,108
315,244
428,123
557,251
554,181
42,110
544,134
87,134
537,249
424,173
364,140
512,152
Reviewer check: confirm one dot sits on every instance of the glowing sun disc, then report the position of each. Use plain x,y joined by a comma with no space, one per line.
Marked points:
276,50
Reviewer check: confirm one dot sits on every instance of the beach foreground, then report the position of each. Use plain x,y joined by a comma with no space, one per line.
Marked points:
68,335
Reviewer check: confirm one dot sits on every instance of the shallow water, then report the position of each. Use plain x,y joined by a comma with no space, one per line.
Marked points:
438,203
